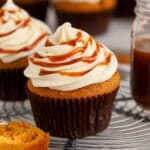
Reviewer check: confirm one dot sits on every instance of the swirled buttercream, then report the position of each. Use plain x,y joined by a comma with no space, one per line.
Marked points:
20,34
71,59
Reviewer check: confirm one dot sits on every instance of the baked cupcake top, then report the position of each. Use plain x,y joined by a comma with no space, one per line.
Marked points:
71,59
20,34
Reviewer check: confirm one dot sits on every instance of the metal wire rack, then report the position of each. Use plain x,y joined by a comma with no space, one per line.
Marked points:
129,128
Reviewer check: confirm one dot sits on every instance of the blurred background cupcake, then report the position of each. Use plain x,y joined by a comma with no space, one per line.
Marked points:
20,35
90,15
36,8
125,8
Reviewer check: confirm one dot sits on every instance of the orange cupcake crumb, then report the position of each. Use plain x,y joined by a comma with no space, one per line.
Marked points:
22,136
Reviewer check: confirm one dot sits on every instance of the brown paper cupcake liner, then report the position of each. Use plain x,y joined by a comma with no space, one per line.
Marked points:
73,118
12,85
94,23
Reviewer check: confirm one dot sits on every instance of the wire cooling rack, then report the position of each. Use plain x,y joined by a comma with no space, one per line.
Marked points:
129,128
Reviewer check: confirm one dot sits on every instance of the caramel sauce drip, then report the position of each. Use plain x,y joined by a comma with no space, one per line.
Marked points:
1,13
24,24
107,60
72,74
3,21
81,73
76,74
48,43
27,48
88,59
67,55
74,41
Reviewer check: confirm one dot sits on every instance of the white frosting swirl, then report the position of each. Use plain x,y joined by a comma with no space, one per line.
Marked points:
78,1
71,60
20,35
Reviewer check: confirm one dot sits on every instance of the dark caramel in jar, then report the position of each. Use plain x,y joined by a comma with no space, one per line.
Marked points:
140,72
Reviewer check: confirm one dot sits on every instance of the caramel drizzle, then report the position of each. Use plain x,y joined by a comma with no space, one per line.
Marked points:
24,49
2,12
64,56
58,59
107,60
74,41
24,24
3,21
88,59
67,55
77,74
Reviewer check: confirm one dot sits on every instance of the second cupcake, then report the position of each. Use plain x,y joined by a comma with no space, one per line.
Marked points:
90,15
73,81
20,36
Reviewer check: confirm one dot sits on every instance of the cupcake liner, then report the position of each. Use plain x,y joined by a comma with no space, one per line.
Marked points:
12,85
93,23
72,118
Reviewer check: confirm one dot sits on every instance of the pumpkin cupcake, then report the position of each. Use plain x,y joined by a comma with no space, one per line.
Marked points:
90,15
17,135
73,81
20,36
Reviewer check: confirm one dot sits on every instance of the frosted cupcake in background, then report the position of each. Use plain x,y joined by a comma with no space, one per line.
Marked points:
73,81
20,36
90,15
36,8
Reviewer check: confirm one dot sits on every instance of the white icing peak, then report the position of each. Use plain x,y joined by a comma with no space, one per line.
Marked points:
20,34
9,5
70,60
63,33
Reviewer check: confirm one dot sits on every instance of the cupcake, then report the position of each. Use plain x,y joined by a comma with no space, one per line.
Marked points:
20,36
125,8
90,15
33,7
18,135
73,81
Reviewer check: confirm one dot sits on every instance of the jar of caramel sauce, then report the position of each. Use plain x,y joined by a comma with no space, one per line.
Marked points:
140,54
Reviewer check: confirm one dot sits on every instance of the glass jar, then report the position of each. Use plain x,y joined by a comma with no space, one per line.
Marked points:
140,54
